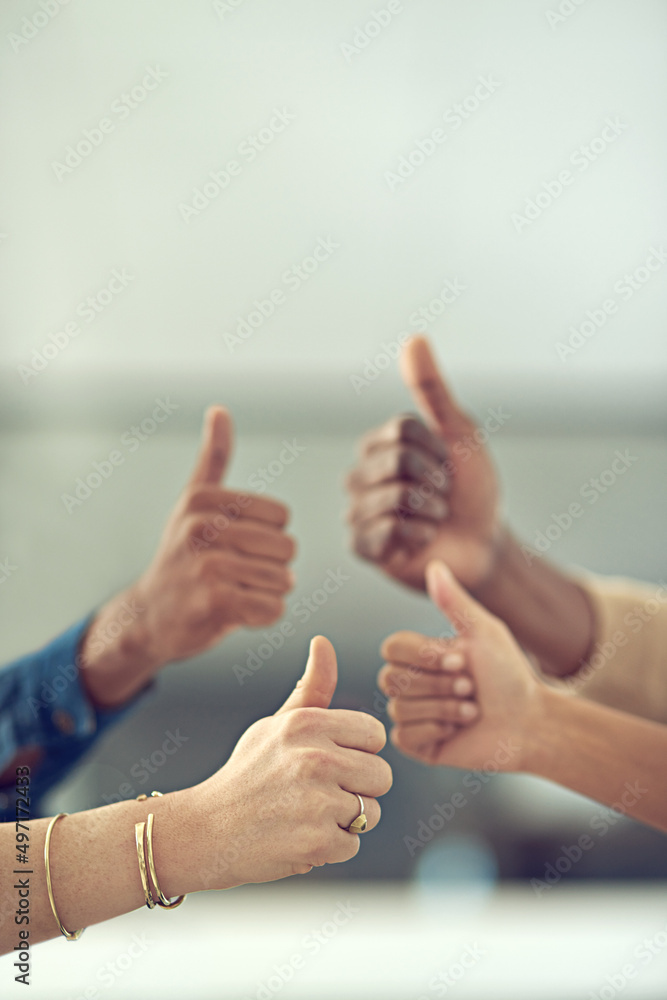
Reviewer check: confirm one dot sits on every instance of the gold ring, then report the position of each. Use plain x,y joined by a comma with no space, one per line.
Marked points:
359,824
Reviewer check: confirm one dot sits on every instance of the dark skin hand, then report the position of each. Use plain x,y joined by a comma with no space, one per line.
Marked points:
429,490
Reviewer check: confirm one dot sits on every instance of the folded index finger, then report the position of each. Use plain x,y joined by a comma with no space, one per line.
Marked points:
355,730
425,652
235,504
403,429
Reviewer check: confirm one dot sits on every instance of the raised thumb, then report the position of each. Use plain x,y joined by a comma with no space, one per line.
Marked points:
215,448
462,610
431,393
316,687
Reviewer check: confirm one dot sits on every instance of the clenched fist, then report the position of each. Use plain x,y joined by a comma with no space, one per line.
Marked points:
425,490
472,701
223,559
283,802
222,563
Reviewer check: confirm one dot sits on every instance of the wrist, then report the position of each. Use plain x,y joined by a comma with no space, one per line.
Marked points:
207,847
545,729
490,582
117,657
180,843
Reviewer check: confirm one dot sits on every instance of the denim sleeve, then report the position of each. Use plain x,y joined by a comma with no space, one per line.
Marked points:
43,704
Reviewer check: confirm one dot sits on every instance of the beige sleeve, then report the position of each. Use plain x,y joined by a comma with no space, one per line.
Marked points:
627,667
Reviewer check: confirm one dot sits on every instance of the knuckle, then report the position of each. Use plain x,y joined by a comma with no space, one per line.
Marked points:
385,678
386,779
318,803
270,610
281,513
195,525
395,642
303,721
275,610
401,460
363,543
377,736
191,497
288,547
407,422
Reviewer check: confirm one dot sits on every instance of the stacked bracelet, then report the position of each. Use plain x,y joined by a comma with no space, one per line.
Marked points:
143,834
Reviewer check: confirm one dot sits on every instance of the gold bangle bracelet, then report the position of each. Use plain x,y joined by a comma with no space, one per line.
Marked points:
68,935
161,900
139,829
147,830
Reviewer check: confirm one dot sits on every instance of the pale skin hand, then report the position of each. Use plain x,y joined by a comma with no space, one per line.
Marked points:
400,527
520,724
505,700
279,807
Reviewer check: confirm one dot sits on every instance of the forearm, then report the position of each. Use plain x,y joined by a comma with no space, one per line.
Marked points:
94,865
608,755
116,655
548,612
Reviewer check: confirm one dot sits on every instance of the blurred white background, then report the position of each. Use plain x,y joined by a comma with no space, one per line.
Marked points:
357,90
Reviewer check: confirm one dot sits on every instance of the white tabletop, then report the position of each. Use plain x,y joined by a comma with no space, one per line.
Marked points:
358,940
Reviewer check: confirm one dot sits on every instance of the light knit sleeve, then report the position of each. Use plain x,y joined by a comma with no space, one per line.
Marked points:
627,666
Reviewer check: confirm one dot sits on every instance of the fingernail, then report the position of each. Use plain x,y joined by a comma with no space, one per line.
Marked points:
462,685
453,661
441,568
468,710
